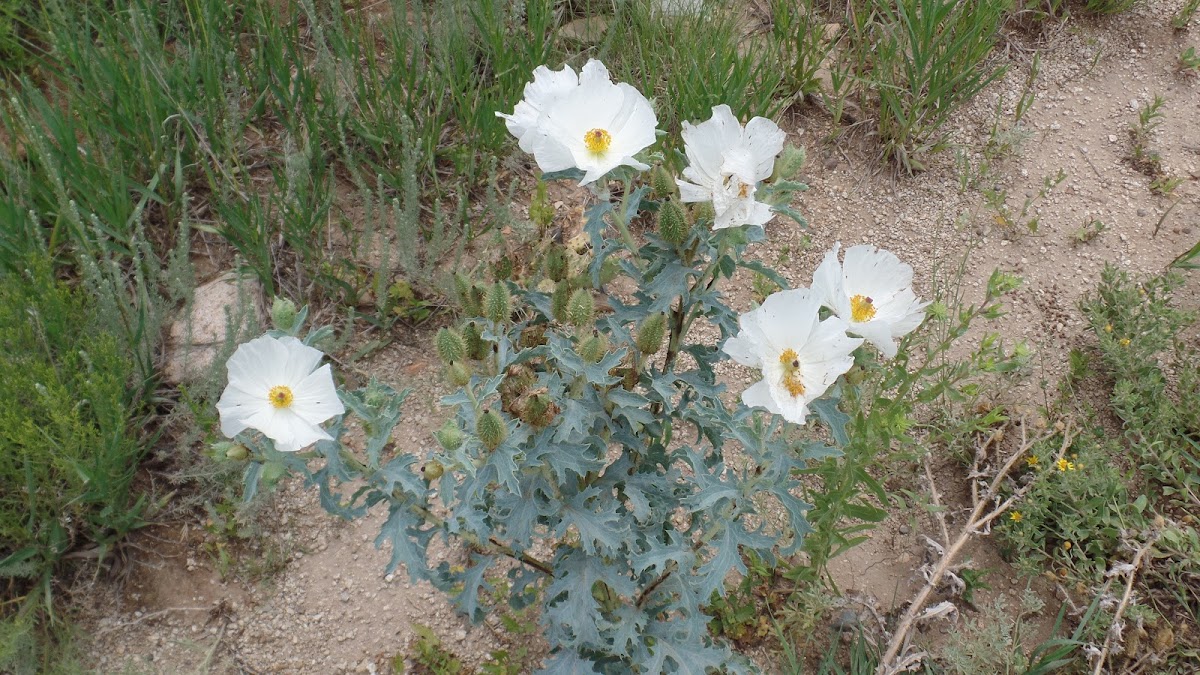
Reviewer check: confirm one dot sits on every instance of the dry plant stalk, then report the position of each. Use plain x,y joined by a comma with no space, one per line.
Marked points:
978,523
1130,571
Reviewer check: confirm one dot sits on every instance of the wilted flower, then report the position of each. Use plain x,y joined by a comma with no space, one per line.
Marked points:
726,163
872,290
276,388
800,355
585,122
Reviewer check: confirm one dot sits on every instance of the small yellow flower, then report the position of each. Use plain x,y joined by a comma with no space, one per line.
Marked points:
1062,464
1015,516
1108,328
1124,342
1066,546
1032,461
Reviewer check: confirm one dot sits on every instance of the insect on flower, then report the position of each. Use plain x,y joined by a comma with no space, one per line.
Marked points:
800,355
276,388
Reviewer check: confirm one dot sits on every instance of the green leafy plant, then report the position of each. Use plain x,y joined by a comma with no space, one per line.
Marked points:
1189,60
1184,16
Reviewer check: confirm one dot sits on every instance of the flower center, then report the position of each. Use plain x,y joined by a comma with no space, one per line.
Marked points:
597,141
791,372
743,190
281,396
862,309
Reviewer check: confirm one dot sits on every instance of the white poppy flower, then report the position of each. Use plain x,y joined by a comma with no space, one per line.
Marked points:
726,163
594,126
547,87
276,388
872,291
800,355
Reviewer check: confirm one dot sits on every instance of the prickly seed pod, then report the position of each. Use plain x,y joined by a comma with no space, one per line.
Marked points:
234,451
556,263
458,374
450,346
629,378
703,213
592,348
498,303
476,347
672,223
650,333
581,308
477,295
662,182
283,314
449,436
558,301
534,410
790,161
490,429
433,470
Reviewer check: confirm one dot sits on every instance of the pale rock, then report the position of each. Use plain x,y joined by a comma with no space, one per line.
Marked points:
189,357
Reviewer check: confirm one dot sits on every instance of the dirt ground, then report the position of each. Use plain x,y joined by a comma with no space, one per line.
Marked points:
332,610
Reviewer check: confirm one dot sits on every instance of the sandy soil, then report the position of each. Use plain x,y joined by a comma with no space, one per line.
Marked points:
331,609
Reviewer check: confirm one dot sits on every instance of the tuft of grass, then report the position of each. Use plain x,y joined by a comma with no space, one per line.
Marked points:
1184,16
1189,60
1109,6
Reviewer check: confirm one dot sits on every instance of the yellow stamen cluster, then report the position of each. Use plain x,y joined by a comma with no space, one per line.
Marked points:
1124,342
862,309
791,381
281,396
597,141
743,191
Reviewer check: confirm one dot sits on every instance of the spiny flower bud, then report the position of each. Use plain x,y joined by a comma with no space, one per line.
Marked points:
234,451
704,213
789,163
556,263
672,223
433,470
498,303
467,296
476,347
490,429
458,374
650,333
592,348
539,411
558,301
283,314
449,436
450,346
581,308
662,182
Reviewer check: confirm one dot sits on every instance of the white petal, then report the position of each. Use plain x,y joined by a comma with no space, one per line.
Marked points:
758,213
301,360
550,154
737,161
743,349
258,364
765,140
758,395
878,333
316,399
236,406
873,272
705,144
828,286
789,317
286,429
690,192
912,317
594,71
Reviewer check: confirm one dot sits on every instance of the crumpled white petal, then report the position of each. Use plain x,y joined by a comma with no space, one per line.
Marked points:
880,278
726,162
264,363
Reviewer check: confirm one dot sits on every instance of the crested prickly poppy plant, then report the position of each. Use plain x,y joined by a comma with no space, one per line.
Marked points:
591,457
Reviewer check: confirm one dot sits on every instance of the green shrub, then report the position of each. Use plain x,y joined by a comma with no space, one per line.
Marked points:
68,450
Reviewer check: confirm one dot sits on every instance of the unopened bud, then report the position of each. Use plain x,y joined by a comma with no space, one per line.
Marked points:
283,314
498,303
234,451
581,308
490,429
458,374
449,436
650,333
539,411
464,290
450,346
556,263
476,347
662,182
789,162
703,213
672,223
433,470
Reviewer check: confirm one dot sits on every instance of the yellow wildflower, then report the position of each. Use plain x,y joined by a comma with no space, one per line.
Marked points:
1066,546
1032,461
1108,328
1124,342
1015,516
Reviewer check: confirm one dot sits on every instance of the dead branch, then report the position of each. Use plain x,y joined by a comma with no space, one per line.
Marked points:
1130,571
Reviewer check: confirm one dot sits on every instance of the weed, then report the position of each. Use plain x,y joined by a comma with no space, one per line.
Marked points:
1109,6
1189,60
1089,231
1010,221
429,655
804,46
1144,158
1184,16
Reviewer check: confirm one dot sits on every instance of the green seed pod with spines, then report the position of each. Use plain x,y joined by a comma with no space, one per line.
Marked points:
581,308
556,263
283,314
433,470
236,452
450,437
498,303
703,213
672,222
490,429
789,163
451,346
662,182
477,349
650,333
458,373
593,347
558,301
